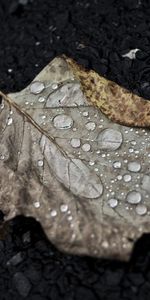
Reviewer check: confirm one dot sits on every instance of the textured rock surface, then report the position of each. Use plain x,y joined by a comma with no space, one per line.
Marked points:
89,176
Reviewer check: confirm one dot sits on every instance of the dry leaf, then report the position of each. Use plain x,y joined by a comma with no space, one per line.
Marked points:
84,178
117,103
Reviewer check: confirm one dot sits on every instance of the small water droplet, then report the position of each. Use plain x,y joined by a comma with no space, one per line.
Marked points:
90,126
37,87
62,121
91,163
127,177
105,244
54,86
133,143
86,147
134,197
141,209
75,143
40,163
134,166
131,150
53,213
85,114
2,106
36,204
119,177
9,122
41,99
64,208
113,202
117,164
2,157
70,218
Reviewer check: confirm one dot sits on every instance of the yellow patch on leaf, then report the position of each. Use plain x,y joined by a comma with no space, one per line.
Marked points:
116,102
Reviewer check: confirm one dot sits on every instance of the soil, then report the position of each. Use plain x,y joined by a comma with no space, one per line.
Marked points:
96,33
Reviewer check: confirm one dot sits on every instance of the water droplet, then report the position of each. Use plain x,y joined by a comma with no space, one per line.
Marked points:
75,143
110,139
119,177
134,166
134,197
117,164
85,114
9,122
63,121
113,202
70,218
40,163
36,204
37,87
41,99
86,147
90,126
2,105
105,244
133,143
2,157
91,163
141,209
131,150
54,86
127,177
53,213
64,208
146,183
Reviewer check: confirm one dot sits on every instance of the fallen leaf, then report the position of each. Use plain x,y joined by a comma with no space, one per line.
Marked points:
117,103
83,177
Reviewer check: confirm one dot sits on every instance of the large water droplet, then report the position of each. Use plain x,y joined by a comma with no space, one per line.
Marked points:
134,197
63,121
134,166
90,126
141,209
37,87
75,143
146,183
113,202
110,139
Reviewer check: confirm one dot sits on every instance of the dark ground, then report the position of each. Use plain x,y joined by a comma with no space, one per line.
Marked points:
31,34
